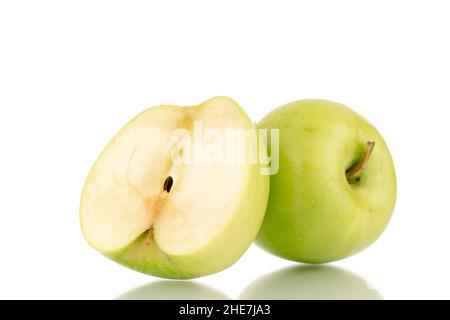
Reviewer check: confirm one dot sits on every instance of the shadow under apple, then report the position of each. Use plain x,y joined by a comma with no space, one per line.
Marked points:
173,290
310,283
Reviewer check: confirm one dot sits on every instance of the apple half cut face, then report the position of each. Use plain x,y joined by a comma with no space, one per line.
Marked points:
155,203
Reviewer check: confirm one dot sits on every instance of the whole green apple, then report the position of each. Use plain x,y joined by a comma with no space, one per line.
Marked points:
157,204
336,187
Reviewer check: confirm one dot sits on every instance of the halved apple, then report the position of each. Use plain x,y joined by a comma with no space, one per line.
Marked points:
174,219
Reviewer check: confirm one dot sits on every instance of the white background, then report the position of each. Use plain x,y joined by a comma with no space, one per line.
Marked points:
73,72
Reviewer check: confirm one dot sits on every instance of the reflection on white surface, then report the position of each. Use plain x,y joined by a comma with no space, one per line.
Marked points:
173,290
310,283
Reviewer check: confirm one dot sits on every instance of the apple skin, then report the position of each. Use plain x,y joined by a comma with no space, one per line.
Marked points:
220,253
314,214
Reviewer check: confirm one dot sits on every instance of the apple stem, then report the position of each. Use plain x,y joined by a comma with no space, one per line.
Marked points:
149,239
358,167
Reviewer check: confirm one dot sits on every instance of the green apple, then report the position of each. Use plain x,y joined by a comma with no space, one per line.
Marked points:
335,190
310,283
147,210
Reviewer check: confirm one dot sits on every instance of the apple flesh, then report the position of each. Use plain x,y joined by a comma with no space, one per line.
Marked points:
336,187
169,219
